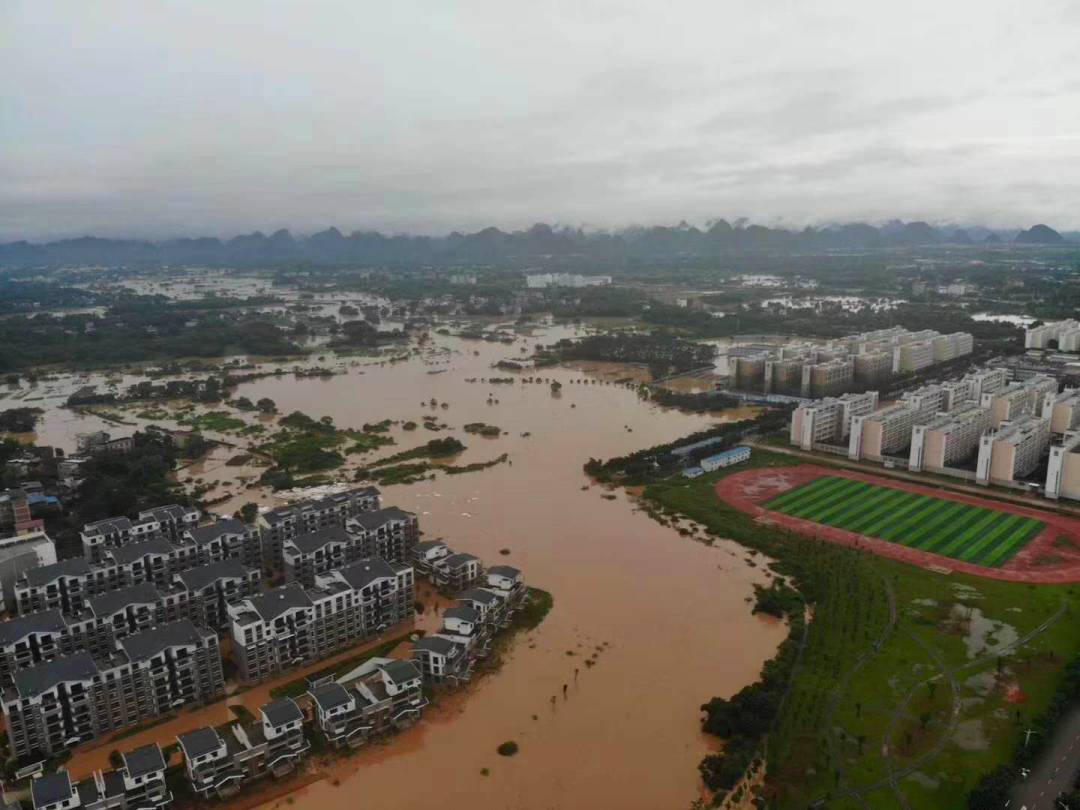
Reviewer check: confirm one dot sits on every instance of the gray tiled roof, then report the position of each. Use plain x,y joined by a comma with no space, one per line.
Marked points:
74,566
467,614
435,644
108,526
51,788
143,760
112,601
148,643
329,695
376,518
200,741
363,572
207,534
479,595
280,712
35,680
135,551
43,621
195,579
168,512
312,541
457,560
272,604
504,571
401,671
428,545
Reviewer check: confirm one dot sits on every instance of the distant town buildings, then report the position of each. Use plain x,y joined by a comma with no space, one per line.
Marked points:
1064,334
839,366
536,281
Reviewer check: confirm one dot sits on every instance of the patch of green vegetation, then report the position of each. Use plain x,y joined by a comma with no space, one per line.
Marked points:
377,427
507,749
476,466
366,442
219,421
483,429
909,682
398,473
436,448
536,609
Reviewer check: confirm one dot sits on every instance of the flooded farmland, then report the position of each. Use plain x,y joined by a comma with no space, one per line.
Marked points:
666,619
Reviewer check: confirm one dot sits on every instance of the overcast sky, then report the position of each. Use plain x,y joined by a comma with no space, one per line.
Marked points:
189,117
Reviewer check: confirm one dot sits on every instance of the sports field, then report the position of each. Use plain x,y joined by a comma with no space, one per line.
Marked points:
958,530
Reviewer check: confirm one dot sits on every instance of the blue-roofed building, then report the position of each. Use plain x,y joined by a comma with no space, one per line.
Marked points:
735,455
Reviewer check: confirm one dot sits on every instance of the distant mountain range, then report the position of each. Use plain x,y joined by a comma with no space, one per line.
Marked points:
491,244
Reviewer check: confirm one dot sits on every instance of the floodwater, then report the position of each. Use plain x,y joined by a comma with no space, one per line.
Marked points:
668,615
665,619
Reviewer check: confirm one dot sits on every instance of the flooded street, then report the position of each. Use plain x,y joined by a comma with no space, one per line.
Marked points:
664,618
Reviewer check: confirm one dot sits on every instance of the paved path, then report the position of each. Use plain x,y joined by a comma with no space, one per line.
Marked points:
1055,770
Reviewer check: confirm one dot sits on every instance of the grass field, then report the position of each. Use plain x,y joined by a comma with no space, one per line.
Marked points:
884,717
957,530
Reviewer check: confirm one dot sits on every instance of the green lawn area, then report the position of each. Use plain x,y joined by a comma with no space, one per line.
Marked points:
957,530
882,715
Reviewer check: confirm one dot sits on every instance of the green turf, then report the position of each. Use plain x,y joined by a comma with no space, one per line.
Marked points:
957,530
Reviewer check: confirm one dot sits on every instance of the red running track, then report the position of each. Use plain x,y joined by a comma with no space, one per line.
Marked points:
1051,557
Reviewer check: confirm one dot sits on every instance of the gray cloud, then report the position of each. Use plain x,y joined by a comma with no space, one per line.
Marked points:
129,118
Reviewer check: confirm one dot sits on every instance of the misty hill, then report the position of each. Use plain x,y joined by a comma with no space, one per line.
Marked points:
538,243
1039,235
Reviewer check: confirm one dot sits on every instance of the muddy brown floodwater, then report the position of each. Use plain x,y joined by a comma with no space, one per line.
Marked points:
666,618
668,615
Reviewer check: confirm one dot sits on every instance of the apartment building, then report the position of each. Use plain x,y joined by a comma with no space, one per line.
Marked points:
749,372
388,533
913,356
885,432
1040,337
26,641
18,554
74,698
1019,399
290,625
784,376
926,401
1063,411
308,555
950,346
871,368
1012,451
63,586
828,378
226,539
1063,468
115,532
949,438
442,660
286,522
173,520
212,588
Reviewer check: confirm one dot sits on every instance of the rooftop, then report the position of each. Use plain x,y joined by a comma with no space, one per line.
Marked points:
272,604
280,712
143,760
33,681
148,643
51,788
200,741
44,621
311,542
208,534
113,601
330,695
72,567
136,551
400,671
379,517
195,579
